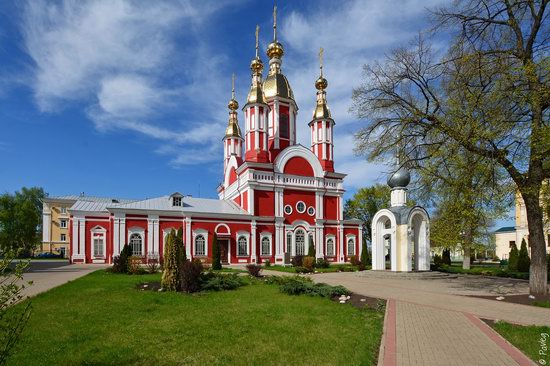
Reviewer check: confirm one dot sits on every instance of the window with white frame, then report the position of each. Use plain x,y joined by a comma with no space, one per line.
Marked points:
300,241
330,247
351,246
288,209
311,211
200,245
266,246
63,210
289,242
63,224
300,207
98,245
136,244
63,237
242,246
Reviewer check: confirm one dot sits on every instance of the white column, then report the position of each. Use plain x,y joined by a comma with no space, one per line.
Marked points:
156,247
291,122
188,242
116,236
75,247
256,128
149,236
319,242
276,122
253,256
251,201
341,242
46,223
265,128
82,237
360,241
122,232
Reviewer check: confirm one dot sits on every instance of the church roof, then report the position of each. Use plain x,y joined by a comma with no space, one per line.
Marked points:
189,205
96,204
506,229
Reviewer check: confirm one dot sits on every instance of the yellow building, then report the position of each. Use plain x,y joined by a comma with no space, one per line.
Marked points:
506,236
55,224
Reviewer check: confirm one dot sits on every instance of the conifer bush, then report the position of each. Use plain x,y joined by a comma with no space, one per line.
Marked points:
191,275
216,259
513,258
446,256
365,257
120,262
524,262
254,270
170,275
311,249
309,263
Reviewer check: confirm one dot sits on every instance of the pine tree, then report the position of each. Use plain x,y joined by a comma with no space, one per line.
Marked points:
170,275
523,259
513,258
216,260
446,256
311,250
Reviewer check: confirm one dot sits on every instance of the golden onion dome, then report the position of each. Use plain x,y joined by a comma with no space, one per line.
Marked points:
233,104
233,129
275,49
256,65
321,83
277,84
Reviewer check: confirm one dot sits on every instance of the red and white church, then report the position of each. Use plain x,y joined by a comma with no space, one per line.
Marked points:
276,197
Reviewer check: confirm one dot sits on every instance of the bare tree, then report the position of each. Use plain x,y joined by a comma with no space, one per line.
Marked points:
489,93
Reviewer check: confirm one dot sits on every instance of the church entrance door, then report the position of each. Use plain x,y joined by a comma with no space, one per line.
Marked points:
224,250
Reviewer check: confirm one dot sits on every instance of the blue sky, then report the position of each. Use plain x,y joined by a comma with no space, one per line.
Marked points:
128,98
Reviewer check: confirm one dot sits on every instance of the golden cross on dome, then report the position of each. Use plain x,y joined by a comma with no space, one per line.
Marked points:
233,86
257,38
275,22
321,50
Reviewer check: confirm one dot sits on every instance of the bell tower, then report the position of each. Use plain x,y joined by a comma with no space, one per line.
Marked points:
256,112
232,141
322,124
279,97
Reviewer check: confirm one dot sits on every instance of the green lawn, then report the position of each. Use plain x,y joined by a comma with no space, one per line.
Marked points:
101,319
542,304
332,268
527,339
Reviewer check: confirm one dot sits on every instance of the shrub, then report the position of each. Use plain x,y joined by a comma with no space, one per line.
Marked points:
361,266
524,262
298,285
267,263
216,260
191,275
220,282
134,265
322,263
513,258
437,261
353,260
153,265
309,263
297,261
504,262
120,262
254,269
301,269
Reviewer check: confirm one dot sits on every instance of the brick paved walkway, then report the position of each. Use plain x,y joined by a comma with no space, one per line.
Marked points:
428,322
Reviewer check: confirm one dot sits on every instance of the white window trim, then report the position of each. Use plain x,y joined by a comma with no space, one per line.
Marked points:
352,237
313,213
204,233
61,238
61,221
294,243
140,231
269,236
333,245
305,207
102,233
288,213
246,235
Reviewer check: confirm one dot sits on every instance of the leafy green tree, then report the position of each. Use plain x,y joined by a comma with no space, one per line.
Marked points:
365,203
489,94
216,260
523,259
513,258
11,291
21,220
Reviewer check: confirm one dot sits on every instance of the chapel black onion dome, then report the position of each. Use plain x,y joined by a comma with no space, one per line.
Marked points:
400,179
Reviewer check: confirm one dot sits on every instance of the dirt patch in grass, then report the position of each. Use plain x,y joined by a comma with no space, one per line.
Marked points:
148,286
518,299
360,301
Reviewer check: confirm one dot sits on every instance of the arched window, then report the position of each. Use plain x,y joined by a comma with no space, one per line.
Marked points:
288,242
351,246
242,246
300,242
266,246
136,244
200,245
330,247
